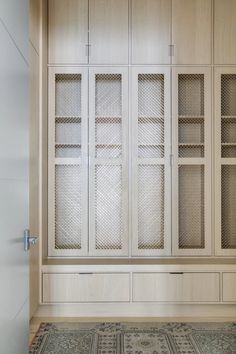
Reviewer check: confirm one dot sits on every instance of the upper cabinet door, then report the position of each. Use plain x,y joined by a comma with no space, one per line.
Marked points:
108,33
68,31
191,31
225,32
151,31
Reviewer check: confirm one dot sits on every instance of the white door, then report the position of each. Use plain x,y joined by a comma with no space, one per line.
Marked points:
14,185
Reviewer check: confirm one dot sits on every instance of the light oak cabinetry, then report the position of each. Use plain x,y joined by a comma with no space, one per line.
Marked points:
191,130
67,31
224,32
108,161
108,31
179,287
225,160
108,287
151,31
151,172
191,31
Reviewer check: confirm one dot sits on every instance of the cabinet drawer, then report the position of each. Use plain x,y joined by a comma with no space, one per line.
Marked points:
229,287
181,287
85,287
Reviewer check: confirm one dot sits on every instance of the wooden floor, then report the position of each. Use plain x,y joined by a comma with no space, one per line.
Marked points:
35,321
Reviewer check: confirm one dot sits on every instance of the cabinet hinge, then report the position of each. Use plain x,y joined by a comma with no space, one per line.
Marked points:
87,49
171,50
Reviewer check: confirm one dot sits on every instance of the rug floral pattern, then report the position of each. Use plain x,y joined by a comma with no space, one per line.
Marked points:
135,338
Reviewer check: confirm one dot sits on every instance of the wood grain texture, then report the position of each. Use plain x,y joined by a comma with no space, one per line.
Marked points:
108,31
225,32
85,287
191,31
176,287
151,31
68,31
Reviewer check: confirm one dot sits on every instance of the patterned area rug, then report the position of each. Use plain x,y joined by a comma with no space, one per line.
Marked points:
135,338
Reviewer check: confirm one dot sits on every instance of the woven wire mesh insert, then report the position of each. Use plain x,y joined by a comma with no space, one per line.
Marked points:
108,95
191,207
68,131
68,95
151,115
108,207
68,207
108,136
151,206
228,94
191,94
228,206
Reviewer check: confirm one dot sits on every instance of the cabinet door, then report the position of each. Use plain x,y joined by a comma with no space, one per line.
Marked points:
191,31
192,161
67,162
108,186
225,160
151,161
108,31
67,31
225,32
151,31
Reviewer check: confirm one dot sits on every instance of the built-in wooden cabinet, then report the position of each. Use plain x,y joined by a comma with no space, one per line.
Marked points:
150,154
108,161
151,31
108,31
191,175
191,31
224,32
68,32
67,161
225,160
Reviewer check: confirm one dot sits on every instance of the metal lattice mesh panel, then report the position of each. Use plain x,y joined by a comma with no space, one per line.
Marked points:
228,151
67,207
228,95
68,95
151,206
191,95
108,135
64,151
228,206
191,115
108,95
68,131
108,101
151,115
191,207
191,131
108,207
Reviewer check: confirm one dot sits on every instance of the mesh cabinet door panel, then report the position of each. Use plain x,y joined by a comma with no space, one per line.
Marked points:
228,207
108,207
192,161
108,161
150,171
68,207
191,207
67,170
151,207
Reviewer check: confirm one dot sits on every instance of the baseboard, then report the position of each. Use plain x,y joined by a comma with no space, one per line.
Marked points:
136,310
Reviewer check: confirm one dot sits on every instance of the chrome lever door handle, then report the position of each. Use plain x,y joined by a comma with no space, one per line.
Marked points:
29,240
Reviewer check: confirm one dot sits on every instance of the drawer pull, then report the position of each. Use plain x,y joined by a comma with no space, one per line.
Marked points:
177,273
85,273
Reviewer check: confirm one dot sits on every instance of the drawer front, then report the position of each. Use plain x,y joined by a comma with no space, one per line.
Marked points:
85,287
229,287
181,287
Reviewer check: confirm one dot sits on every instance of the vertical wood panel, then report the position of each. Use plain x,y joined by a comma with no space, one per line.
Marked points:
191,31
108,31
68,31
151,31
